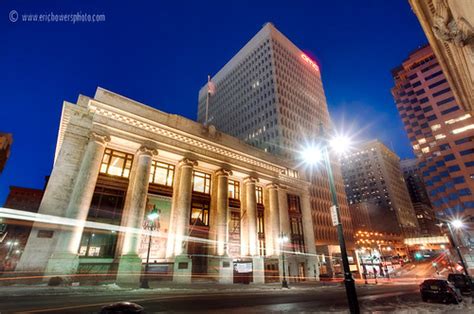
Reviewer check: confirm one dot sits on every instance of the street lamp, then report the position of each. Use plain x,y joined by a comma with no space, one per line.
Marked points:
457,224
312,155
150,225
283,239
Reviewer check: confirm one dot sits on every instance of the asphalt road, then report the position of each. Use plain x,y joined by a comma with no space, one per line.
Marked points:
298,299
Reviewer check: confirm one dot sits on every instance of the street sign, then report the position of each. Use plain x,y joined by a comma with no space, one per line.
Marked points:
335,220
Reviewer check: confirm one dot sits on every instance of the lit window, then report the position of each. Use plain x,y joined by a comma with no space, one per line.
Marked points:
416,146
97,244
425,149
259,192
440,136
461,118
234,189
201,182
200,214
436,127
422,140
116,163
464,128
161,173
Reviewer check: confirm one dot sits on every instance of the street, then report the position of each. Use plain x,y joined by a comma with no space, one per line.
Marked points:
232,299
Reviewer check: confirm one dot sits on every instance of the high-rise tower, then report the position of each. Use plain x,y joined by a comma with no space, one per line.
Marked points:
270,95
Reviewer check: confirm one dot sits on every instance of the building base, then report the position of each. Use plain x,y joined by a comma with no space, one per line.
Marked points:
182,269
62,264
258,269
129,270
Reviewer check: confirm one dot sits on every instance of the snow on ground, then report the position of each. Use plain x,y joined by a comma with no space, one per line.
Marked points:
411,307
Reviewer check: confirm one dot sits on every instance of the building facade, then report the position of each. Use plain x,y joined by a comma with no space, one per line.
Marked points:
372,174
270,95
6,141
441,133
14,233
449,27
222,205
419,197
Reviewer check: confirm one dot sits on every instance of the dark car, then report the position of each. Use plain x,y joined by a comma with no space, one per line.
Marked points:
461,282
439,290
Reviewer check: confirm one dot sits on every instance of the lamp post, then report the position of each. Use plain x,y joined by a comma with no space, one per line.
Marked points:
313,155
457,224
283,239
150,225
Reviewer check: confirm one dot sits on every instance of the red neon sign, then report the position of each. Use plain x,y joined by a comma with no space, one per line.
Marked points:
311,62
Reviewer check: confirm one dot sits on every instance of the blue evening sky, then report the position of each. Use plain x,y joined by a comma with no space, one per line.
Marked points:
160,52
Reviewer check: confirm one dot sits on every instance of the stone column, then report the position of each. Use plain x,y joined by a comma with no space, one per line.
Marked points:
222,213
130,264
64,259
181,212
251,210
308,231
284,215
273,245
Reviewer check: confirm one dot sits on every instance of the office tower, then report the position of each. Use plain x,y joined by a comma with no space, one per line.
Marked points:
419,197
372,174
440,131
271,96
5,148
449,27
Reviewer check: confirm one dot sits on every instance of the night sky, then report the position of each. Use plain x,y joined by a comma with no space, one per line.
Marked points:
160,54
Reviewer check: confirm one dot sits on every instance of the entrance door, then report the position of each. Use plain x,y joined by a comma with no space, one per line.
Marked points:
301,274
198,253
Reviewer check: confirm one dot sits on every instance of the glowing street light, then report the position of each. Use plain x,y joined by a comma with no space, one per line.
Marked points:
150,225
311,155
457,223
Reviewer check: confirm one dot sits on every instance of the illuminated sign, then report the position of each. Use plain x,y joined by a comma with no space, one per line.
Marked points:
311,62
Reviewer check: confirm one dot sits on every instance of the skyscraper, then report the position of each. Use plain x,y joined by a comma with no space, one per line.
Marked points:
440,131
270,95
372,174
419,197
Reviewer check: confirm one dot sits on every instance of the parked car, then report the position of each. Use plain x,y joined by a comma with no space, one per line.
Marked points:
439,290
461,282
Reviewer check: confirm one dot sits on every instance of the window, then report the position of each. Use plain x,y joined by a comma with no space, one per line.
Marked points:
441,92
437,83
294,203
449,157
201,182
454,168
469,164
116,163
464,192
297,239
98,244
199,214
107,204
259,191
452,109
161,173
261,232
234,189
459,180
445,101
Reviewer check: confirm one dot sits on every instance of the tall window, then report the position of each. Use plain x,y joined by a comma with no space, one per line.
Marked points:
161,173
116,163
259,191
261,233
201,182
294,203
296,223
199,214
98,244
234,189
107,204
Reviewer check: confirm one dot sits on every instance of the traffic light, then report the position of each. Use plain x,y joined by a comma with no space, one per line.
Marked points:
418,256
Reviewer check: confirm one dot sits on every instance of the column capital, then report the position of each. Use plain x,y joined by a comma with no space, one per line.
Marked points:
147,150
250,179
98,137
223,172
273,186
186,162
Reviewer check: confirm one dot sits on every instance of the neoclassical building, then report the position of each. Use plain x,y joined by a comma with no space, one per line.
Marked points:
223,205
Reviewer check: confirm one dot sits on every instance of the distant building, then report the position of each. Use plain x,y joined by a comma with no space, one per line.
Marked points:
419,197
449,27
270,95
372,174
6,141
14,233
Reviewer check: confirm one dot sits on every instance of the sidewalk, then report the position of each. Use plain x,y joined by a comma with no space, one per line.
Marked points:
158,287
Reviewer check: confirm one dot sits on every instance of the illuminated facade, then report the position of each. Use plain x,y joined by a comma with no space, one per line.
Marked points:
221,204
440,131
372,174
270,95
